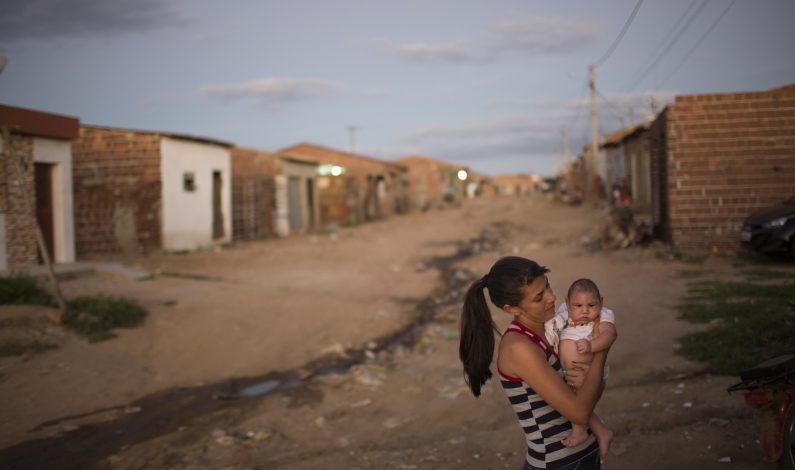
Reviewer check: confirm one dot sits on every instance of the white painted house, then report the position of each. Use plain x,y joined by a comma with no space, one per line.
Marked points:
37,160
138,191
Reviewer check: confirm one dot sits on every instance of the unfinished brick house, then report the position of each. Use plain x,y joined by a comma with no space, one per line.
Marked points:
717,158
37,157
272,195
140,191
367,188
628,161
432,183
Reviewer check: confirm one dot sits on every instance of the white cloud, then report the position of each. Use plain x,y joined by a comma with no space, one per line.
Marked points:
520,36
459,51
542,35
273,90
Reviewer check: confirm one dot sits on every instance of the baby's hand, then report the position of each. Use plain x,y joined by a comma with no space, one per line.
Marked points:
583,346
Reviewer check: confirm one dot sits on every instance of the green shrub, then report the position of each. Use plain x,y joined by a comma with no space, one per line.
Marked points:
23,290
96,317
19,348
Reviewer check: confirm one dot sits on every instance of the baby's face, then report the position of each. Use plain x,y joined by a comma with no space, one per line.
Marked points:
584,307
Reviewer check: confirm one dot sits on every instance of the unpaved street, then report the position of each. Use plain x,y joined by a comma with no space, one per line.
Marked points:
284,354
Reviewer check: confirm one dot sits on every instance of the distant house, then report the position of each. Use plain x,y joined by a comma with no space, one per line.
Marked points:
434,182
41,143
515,185
716,158
272,194
628,164
139,191
353,188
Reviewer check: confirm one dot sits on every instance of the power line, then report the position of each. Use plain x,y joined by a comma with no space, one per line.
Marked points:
698,43
671,44
666,38
620,35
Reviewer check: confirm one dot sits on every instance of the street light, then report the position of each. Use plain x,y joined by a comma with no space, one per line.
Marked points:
462,175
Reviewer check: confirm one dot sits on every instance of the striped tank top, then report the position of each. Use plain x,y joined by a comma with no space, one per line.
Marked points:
543,426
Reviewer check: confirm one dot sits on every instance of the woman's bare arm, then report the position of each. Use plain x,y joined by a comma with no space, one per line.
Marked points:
520,358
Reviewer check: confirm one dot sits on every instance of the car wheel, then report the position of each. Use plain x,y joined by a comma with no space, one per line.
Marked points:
787,459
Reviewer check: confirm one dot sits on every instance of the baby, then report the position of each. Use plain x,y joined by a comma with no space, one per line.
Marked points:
571,333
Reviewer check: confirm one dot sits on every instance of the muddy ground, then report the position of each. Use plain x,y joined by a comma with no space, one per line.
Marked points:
339,351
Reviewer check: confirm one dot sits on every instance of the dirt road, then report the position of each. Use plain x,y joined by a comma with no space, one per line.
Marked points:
303,353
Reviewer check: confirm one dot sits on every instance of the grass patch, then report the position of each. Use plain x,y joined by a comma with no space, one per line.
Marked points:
96,317
752,322
690,273
758,274
20,348
23,290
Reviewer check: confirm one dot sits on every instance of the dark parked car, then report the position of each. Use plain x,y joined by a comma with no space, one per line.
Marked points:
771,230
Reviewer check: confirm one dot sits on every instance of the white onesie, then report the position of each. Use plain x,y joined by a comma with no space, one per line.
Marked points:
559,326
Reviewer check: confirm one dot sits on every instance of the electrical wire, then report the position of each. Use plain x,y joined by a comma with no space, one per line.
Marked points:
666,38
698,43
671,44
620,35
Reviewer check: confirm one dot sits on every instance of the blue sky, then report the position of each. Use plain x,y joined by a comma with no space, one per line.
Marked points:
490,85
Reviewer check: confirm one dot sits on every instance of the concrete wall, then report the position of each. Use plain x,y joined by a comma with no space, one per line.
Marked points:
187,217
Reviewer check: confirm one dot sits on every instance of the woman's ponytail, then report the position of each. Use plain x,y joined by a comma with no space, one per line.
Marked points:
505,281
476,347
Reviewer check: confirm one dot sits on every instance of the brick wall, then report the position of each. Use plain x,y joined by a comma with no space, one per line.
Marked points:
727,155
337,200
362,170
21,248
253,194
117,191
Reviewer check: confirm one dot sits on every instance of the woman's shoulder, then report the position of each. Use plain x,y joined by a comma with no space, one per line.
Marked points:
520,347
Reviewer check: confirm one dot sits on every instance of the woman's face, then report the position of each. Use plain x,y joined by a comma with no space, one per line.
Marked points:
538,303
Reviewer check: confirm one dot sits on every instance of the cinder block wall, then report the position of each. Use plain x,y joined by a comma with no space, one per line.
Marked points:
253,194
21,249
727,155
117,191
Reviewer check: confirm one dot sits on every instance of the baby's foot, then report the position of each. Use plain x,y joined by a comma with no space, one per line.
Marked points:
605,438
578,435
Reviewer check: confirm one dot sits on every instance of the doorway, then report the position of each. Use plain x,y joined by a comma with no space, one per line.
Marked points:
218,214
45,214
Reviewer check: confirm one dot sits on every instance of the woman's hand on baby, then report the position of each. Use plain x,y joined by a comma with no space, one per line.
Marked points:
575,376
583,346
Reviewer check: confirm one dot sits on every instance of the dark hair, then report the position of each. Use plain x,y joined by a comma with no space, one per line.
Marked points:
584,285
505,281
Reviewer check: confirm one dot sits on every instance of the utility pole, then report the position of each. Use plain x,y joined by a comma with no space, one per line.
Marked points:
566,149
653,105
352,138
594,125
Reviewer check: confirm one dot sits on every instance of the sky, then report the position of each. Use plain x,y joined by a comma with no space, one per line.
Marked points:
499,86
